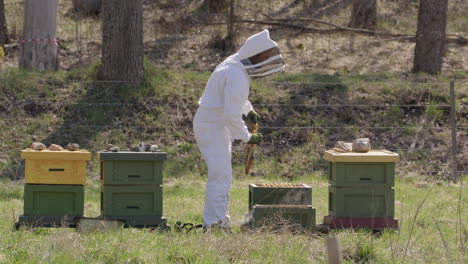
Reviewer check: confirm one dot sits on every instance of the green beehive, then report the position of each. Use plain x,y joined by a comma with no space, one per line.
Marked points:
361,193
361,202
131,201
296,217
279,194
53,200
132,168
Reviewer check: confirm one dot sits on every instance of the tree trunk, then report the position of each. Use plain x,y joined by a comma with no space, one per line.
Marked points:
122,40
231,30
39,46
215,6
430,36
87,7
364,14
3,27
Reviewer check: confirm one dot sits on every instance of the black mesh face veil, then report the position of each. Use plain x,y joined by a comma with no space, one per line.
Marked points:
271,65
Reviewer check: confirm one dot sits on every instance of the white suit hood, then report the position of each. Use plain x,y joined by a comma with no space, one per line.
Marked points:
255,44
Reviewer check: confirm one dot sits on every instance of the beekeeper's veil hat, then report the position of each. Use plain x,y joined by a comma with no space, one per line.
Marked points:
256,44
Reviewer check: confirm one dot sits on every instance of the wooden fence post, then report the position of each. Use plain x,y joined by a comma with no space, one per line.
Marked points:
453,124
333,251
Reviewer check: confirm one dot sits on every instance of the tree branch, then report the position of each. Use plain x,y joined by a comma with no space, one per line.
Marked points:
450,37
335,29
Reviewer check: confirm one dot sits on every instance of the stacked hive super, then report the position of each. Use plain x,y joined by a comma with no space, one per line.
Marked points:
288,205
54,191
131,187
361,193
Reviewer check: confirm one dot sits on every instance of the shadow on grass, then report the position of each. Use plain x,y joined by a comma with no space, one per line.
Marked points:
101,108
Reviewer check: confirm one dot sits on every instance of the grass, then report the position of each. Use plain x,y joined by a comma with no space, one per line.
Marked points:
429,229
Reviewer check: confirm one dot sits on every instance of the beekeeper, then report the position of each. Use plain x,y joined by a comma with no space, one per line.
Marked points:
218,120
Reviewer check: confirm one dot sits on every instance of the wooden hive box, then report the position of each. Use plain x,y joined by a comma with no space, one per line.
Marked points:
55,167
295,217
375,168
361,202
132,168
131,201
279,194
53,200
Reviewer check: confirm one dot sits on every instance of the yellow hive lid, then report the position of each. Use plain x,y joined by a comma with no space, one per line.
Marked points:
371,156
55,155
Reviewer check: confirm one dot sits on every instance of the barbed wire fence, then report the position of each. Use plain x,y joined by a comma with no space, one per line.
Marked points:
416,87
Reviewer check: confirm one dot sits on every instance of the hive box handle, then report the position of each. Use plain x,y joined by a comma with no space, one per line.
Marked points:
365,179
134,176
133,207
56,169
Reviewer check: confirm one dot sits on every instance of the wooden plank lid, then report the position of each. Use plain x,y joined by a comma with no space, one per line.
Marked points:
55,155
371,156
129,155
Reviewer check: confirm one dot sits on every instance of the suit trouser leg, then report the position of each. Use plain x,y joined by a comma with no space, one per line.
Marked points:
214,141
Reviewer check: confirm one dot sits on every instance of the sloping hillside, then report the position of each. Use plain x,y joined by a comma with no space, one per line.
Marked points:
302,115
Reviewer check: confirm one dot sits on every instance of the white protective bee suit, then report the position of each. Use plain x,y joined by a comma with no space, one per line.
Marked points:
218,120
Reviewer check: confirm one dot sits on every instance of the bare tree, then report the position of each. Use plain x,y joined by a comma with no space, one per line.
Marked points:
364,14
38,46
122,40
3,27
87,7
430,36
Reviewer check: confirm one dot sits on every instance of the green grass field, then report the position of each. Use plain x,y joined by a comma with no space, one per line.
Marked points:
433,229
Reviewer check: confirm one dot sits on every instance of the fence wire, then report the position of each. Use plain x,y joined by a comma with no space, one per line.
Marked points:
270,127
424,100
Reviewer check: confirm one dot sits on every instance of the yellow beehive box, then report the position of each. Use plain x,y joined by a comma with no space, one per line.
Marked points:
55,167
